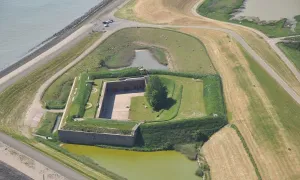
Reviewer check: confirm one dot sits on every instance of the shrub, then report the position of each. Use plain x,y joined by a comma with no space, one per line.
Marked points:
156,93
199,172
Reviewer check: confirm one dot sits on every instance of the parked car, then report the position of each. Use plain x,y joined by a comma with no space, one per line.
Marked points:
105,25
111,21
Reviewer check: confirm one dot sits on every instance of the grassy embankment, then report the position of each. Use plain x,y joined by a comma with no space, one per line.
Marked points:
126,12
284,105
93,99
222,10
292,51
286,111
118,51
47,124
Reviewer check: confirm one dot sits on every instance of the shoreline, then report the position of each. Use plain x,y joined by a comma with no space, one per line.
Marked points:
55,38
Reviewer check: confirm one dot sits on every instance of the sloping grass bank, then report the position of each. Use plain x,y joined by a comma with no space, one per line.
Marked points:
292,51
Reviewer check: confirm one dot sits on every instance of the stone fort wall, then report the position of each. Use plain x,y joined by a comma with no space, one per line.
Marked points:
89,138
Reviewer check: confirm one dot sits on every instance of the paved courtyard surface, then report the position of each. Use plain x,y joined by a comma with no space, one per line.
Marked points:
116,105
122,104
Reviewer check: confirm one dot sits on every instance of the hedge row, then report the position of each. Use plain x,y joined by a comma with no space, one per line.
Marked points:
233,126
168,133
213,96
83,92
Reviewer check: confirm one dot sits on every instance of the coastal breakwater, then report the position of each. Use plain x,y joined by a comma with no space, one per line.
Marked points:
55,38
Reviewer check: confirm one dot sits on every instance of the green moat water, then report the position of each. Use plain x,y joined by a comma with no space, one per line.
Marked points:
134,165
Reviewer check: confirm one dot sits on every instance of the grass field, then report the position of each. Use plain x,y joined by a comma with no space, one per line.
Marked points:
181,94
47,124
222,10
118,51
94,99
292,53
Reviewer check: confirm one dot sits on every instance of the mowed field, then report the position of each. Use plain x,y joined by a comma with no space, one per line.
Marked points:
265,114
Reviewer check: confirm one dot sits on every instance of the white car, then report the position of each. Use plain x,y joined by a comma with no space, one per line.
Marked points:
105,25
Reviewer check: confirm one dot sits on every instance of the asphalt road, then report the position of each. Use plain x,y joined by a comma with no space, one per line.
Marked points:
119,24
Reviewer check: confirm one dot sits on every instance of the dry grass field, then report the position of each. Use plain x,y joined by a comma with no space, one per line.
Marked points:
270,137
224,152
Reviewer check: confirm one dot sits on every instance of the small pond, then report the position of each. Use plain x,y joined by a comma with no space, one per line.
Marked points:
271,9
134,165
146,59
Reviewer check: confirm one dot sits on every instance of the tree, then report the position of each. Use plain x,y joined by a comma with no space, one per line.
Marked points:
156,93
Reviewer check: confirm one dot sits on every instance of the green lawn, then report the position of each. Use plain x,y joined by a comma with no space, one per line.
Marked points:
181,94
47,124
118,51
192,92
139,112
222,10
94,99
292,53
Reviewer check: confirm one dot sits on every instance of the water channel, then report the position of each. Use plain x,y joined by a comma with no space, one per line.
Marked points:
146,59
134,165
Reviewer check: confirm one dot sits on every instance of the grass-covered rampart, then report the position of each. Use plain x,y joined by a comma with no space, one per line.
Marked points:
47,124
101,126
83,91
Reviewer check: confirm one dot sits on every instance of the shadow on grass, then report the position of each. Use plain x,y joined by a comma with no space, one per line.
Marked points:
169,103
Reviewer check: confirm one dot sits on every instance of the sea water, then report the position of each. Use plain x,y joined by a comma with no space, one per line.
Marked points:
25,24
